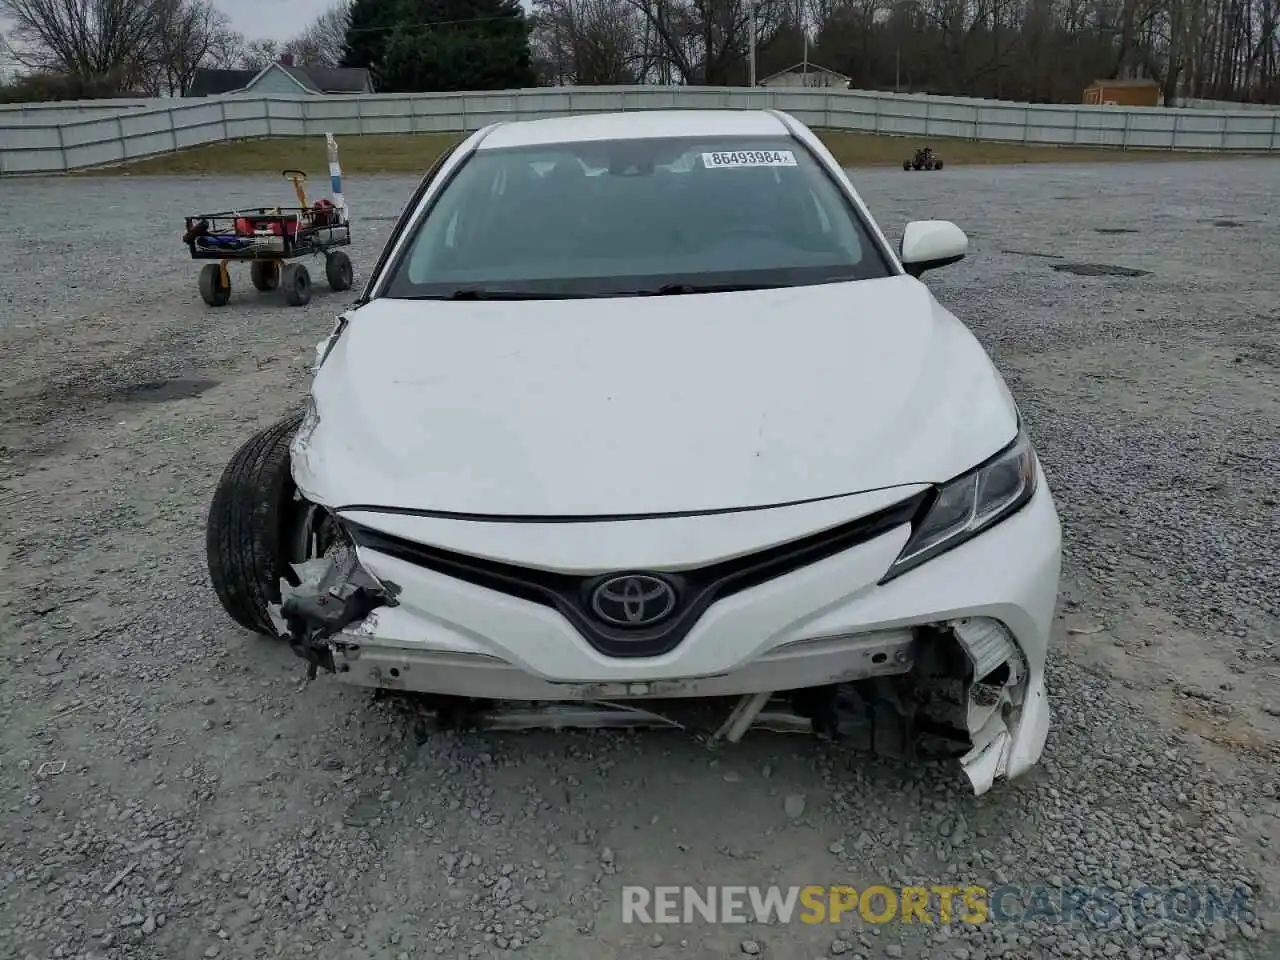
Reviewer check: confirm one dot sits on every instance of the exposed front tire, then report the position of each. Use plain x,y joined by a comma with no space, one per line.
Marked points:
938,165
250,525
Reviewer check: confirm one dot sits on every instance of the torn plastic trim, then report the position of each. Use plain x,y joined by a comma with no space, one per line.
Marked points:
993,699
325,346
304,462
333,592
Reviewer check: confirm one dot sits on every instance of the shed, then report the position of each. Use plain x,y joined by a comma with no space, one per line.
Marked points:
806,75
1124,93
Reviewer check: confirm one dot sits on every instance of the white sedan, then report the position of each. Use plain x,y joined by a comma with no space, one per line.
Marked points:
639,407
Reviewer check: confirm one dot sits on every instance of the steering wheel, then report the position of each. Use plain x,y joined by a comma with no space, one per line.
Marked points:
297,175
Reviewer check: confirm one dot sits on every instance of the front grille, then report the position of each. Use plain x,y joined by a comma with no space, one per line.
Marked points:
695,590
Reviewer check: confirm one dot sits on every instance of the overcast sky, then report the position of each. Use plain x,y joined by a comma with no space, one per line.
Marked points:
277,19
274,19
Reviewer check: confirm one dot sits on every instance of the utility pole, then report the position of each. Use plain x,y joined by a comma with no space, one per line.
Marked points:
804,68
753,42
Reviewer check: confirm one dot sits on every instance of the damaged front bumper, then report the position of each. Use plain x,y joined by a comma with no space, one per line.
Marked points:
953,651
333,592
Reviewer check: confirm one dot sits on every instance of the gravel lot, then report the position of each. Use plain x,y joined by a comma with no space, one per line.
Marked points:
213,805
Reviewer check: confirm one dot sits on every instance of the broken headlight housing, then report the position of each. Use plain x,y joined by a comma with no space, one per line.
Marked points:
971,503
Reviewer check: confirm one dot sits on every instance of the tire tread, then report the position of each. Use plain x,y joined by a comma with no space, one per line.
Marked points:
243,539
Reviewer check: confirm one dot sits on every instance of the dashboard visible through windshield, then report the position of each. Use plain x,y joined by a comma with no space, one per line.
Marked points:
633,218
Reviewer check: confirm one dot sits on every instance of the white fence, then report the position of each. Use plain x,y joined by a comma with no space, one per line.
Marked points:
62,111
32,147
1194,104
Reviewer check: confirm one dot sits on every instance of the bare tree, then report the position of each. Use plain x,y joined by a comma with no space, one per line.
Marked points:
226,52
189,35
1038,50
256,54
589,41
87,38
708,41
120,46
321,44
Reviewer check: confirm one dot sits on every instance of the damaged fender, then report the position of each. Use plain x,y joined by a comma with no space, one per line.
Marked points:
994,699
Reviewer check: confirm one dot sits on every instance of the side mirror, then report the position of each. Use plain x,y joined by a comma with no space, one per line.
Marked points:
929,244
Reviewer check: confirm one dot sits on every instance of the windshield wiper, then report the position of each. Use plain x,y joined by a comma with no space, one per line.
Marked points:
678,289
479,293
666,290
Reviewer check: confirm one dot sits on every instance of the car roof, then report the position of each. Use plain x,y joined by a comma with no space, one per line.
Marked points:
636,125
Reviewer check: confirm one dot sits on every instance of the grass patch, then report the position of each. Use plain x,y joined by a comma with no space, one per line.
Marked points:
413,154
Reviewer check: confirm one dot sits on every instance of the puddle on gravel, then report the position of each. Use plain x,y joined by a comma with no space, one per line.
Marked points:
162,391
1099,270
1111,230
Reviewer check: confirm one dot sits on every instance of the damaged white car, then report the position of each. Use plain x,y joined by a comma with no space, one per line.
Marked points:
642,407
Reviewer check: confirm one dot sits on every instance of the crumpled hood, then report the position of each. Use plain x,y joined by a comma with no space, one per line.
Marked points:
649,405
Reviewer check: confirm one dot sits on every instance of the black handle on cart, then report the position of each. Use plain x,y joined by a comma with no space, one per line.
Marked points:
196,229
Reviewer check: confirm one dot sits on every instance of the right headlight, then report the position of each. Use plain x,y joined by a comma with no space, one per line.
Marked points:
971,503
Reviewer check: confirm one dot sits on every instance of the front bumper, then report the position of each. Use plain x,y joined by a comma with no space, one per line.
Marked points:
825,623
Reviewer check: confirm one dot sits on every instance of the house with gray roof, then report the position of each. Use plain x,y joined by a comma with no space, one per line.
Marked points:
281,78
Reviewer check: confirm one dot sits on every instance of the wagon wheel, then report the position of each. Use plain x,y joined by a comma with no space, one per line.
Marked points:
265,274
297,284
338,271
215,288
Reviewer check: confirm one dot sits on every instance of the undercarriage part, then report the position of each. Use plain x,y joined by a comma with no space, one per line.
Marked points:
691,716
743,715
938,710
960,699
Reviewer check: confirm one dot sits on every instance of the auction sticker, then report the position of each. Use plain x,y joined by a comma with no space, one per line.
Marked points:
749,158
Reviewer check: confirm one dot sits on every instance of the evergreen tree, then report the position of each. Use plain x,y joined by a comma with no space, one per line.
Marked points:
370,24
453,45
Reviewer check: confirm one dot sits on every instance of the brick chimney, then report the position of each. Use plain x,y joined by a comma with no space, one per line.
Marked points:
286,59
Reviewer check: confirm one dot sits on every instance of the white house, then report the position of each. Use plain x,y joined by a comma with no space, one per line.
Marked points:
281,78
807,75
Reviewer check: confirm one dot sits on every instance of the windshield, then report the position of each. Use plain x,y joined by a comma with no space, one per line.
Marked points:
635,217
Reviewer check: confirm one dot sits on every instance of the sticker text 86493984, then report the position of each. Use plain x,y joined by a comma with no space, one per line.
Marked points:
749,158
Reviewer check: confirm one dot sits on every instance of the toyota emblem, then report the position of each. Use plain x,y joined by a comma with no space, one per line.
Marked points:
633,600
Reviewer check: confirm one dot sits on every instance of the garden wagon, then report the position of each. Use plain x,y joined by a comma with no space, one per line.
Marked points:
271,239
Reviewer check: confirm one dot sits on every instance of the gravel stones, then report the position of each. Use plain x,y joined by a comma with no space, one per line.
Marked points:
268,817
